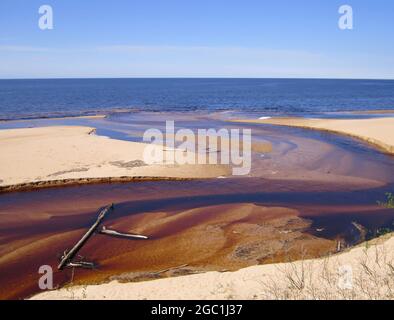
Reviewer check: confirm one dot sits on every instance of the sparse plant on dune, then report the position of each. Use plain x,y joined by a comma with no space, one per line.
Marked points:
389,203
371,277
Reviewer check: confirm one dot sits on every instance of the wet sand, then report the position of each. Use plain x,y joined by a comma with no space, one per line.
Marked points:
206,238
298,201
315,279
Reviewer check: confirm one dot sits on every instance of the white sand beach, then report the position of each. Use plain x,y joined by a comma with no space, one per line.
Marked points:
36,157
376,131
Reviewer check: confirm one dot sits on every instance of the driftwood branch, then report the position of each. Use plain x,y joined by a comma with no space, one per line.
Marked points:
68,256
80,264
114,233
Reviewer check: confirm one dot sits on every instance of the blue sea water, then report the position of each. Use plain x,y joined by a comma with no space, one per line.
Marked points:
24,99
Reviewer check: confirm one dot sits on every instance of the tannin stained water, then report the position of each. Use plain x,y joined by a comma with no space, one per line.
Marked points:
332,181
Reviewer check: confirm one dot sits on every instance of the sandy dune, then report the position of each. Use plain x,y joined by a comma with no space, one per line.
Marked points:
376,131
364,272
35,157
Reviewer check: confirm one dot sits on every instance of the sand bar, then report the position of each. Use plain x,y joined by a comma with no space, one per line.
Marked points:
361,273
376,131
38,157
205,238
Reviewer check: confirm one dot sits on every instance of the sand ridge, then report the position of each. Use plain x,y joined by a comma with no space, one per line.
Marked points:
376,131
218,237
360,273
61,155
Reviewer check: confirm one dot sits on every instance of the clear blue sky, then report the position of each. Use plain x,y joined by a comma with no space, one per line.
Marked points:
197,38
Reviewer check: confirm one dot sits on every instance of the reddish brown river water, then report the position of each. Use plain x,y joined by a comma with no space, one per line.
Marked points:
313,190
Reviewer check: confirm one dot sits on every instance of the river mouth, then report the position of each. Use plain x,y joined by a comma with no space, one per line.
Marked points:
313,190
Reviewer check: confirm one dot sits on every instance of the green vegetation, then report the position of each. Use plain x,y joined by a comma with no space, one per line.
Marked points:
389,203
383,231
